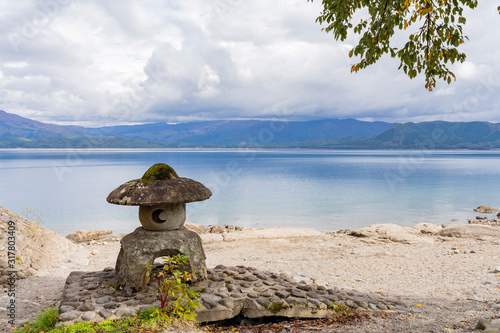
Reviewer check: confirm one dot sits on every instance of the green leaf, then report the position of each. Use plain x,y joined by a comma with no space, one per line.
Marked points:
426,50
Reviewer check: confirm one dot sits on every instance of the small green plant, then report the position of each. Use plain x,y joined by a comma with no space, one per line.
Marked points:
339,308
44,321
177,298
277,307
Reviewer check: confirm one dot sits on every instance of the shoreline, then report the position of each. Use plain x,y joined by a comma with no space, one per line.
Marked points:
450,277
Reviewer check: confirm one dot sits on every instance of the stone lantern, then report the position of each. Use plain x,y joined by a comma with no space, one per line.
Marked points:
161,196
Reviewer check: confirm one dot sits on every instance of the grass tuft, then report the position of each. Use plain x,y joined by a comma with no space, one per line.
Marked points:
43,322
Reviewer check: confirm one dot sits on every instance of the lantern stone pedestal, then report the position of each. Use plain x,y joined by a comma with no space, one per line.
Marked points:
144,246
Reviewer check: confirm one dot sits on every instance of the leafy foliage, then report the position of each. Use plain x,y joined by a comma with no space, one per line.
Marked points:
177,298
430,46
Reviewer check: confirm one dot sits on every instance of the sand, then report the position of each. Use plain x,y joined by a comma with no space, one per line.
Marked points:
449,282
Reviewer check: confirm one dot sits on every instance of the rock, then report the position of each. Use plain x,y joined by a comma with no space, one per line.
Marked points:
314,301
209,301
427,228
496,270
477,231
87,235
148,300
69,315
125,313
250,278
481,218
330,303
66,308
70,304
485,210
264,302
198,228
298,293
94,252
87,306
493,328
88,316
240,228
282,294
37,247
392,232
227,302
103,300
128,291
217,229
105,313
382,307
112,305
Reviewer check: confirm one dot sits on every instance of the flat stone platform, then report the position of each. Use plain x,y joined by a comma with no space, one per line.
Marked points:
228,292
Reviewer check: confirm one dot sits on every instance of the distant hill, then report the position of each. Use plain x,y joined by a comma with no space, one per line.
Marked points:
425,135
16,131
233,132
14,126
441,134
19,132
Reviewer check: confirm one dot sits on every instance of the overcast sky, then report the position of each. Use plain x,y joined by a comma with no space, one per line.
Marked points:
97,63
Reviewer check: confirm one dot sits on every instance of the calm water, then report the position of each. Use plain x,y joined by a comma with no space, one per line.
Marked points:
324,190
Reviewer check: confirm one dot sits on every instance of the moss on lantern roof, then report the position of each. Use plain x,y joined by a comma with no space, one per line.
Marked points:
159,171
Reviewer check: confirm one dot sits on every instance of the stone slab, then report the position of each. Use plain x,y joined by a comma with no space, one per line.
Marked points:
225,294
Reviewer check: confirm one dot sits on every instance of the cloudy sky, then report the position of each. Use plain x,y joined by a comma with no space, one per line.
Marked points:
97,63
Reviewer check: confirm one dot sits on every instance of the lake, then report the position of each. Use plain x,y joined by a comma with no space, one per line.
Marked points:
319,189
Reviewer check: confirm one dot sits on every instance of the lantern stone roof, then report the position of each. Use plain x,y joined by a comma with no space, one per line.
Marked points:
159,185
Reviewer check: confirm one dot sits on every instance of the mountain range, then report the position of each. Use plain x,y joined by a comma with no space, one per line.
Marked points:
20,132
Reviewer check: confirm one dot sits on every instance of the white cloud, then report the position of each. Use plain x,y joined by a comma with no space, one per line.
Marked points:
138,61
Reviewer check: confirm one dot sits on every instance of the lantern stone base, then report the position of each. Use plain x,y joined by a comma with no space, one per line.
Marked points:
144,246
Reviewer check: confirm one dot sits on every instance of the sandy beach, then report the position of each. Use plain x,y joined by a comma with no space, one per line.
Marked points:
448,282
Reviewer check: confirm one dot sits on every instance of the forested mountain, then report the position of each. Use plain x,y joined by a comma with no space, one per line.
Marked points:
19,132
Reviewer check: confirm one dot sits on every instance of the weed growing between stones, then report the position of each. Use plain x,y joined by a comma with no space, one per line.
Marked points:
338,308
177,298
277,307
43,322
